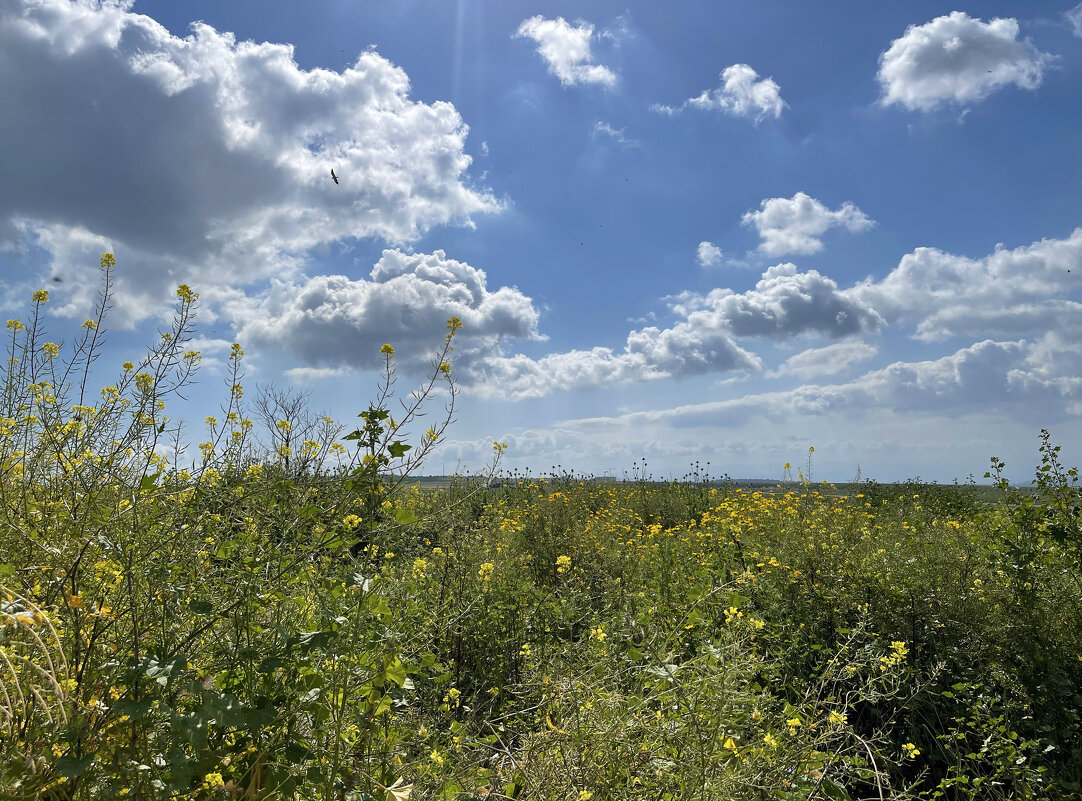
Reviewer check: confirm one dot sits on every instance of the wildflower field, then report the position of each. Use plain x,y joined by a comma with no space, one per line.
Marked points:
284,616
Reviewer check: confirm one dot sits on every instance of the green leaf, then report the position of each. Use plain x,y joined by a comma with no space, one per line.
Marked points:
396,672
295,753
183,769
133,709
70,767
379,608
831,790
737,600
200,607
404,516
358,580
384,706
271,663
7,569
398,449
310,640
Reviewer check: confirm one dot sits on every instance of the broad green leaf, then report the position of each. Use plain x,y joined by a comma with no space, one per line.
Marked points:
831,790
396,672
133,709
296,754
70,766
398,449
271,663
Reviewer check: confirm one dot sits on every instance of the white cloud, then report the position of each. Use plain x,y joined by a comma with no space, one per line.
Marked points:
987,376
708,254
966,405
566,49
794,225
944,295
615,134
958,59
828,360
784,304
1074,17
309,375
691,347
332,321
742,94
215,152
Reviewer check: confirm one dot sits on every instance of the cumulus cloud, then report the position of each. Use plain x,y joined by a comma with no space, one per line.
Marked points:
794,225
784,304
686,349
708,254
566,49
742,94
958,59
967,405
828,360
1074,18
945,295
215,152
332,321
985,376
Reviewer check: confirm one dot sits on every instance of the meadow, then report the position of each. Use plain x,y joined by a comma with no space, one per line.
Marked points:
286,616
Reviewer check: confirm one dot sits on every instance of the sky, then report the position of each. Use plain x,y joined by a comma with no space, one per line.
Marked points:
684,232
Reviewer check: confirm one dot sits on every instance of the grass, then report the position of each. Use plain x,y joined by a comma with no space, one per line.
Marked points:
307,623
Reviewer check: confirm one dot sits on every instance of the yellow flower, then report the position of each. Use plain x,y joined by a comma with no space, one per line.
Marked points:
485,573
41,296
563,564
214,780
387,349
837,718
585,795
909,751
598,634
186,294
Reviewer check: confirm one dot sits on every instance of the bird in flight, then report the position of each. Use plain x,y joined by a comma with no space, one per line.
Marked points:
333,176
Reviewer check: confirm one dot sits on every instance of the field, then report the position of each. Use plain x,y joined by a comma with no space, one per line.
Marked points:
262,625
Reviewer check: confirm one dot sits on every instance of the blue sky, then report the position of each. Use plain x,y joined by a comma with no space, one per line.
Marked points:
682,232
